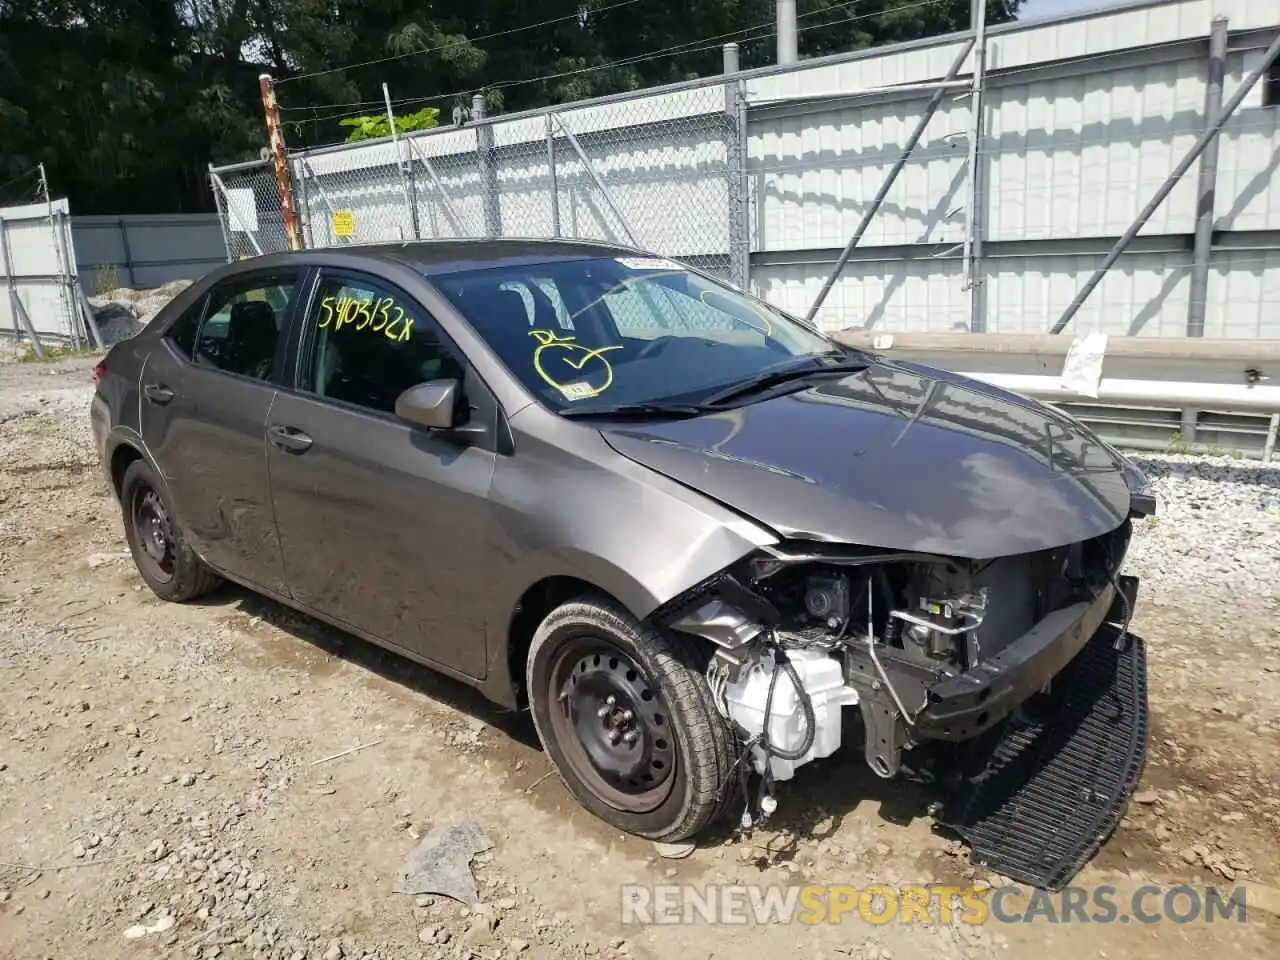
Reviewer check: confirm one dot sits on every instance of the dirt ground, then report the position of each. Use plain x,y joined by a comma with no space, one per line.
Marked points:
160,795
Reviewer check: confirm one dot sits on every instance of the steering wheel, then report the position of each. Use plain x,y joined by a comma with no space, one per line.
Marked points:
656,346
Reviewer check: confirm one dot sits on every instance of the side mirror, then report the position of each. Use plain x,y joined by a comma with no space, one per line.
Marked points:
433,404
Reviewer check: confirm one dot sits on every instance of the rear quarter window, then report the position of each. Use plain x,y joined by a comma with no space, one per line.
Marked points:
182,332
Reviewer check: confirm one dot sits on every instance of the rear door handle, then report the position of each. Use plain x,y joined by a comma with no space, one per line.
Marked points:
157,393
289,439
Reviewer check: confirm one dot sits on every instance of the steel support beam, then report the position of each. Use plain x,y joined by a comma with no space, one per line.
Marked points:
595,178
930,109
974,219
1209,135
1199,293
427,165
405,167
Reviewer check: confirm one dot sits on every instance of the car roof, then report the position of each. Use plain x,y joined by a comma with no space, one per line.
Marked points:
435,257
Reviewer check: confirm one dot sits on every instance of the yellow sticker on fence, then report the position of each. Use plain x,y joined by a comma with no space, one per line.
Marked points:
344,223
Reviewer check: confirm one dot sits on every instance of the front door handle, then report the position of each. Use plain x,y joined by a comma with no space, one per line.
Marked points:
289,439
157,393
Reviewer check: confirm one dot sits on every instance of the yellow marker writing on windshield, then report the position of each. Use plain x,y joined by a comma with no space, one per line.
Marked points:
576,357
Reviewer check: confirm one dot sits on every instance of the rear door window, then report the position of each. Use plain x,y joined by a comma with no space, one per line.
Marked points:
244,323
182,332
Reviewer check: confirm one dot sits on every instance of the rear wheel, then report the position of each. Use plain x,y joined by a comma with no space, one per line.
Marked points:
168,565
625,714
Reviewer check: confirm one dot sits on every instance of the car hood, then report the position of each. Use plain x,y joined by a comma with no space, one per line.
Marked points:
899,456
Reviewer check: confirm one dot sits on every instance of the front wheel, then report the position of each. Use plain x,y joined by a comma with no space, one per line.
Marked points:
625,714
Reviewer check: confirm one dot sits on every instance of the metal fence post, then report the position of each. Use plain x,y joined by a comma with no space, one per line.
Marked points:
67,315
488,175
61,236
308,231
1170,182
735,108
280,160
123,226
406,171
80,303
974,221
934,102
1202,249
222,213
553,184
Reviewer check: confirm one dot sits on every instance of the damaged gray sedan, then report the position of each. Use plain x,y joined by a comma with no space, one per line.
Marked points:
703,543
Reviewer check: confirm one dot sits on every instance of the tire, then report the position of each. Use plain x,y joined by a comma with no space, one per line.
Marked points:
678,773
160,551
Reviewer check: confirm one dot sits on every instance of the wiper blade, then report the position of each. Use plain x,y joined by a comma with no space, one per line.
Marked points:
773,378
610,410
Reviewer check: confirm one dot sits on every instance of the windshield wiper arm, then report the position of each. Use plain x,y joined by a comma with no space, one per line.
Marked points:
635,410
773,378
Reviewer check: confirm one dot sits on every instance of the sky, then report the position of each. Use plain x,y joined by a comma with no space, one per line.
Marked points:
1047,8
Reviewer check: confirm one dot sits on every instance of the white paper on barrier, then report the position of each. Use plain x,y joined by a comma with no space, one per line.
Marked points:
1082,370
242,209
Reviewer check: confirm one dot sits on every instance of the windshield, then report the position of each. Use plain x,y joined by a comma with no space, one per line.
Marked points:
626,330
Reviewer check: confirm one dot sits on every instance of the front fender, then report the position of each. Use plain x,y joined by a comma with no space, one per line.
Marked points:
576,508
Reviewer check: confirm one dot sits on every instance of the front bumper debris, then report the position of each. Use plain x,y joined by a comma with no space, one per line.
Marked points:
1036,798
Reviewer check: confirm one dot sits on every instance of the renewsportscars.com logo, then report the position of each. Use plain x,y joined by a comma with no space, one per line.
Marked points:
881,904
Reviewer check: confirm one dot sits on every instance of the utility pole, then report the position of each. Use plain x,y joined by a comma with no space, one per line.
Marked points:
280,160
788,47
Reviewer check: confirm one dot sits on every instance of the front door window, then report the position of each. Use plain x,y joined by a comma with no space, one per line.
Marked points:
371,344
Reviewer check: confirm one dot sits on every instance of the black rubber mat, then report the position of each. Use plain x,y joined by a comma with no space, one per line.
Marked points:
1053,787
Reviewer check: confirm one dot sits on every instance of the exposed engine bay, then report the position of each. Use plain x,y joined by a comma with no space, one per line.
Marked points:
929,649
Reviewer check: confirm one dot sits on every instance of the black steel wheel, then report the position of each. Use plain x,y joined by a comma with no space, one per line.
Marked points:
624,712
168,565
155,535
612,724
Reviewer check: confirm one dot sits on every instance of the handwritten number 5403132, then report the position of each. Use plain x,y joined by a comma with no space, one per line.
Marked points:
367,314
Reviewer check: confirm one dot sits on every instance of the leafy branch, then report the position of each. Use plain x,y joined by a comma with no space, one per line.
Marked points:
376,125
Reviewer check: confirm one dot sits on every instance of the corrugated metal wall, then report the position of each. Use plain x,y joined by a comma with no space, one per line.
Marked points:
1083,122
145,250
36,284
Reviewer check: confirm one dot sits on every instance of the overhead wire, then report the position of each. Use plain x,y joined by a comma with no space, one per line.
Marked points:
692,46
452,43
31,174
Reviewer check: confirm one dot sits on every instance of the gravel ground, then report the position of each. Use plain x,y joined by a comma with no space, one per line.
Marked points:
160,795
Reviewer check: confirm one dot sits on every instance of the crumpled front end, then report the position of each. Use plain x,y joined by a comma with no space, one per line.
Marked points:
952,664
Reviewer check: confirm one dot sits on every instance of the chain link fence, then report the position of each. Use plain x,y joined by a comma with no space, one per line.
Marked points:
249,208
663,173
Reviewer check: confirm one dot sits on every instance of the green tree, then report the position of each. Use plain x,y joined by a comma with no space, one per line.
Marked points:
127,102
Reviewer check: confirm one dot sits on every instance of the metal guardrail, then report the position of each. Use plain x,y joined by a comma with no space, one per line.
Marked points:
1194,396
